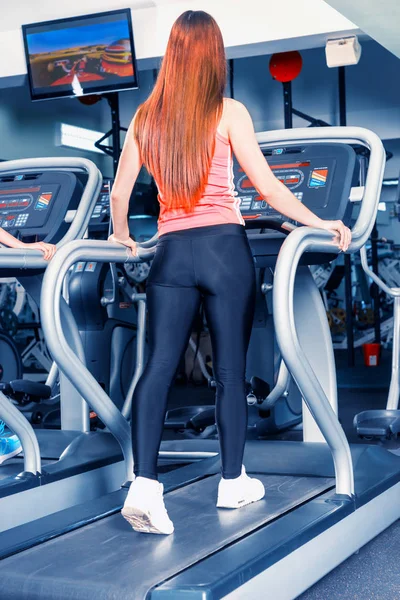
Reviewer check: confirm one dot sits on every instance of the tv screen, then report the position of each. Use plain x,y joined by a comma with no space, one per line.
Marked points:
90,54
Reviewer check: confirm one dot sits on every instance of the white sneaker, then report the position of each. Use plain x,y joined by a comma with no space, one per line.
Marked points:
238,492
144,507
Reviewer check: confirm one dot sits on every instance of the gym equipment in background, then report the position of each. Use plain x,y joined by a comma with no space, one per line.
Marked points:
329,279
55,200
384,423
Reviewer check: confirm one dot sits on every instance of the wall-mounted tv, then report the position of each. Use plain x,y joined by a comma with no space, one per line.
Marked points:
90,54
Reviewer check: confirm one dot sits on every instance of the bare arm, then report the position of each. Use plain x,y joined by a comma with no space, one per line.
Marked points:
127,173
251,159
9,240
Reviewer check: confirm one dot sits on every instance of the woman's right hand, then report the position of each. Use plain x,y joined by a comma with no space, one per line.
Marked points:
128,242
48,250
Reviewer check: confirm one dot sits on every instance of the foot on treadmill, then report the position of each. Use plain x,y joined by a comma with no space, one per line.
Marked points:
144,507
10,446
238,492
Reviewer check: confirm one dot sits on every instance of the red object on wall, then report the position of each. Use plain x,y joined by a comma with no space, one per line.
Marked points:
285,66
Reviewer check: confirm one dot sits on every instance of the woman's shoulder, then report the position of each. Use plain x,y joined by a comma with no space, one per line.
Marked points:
233,111
233,106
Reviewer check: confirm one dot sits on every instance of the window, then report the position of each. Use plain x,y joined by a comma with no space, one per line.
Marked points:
79,137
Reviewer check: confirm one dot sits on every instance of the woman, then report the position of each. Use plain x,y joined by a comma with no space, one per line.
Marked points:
10,445
185,134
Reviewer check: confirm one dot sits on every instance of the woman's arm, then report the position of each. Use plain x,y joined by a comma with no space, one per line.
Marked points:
9,240
251,159
127,173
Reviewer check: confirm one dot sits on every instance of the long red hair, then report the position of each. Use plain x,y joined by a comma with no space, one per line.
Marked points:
175,128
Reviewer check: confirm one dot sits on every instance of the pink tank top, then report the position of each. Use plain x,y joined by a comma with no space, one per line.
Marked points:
218,203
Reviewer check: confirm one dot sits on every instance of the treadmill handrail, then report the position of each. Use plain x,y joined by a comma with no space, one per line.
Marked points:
30,259
18,423
306,239
394,292
298,242
68,363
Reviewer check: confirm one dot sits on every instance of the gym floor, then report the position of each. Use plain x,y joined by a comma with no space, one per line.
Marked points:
374,572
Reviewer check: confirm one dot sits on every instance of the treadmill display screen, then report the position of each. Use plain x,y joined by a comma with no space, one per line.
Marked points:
26,206
308,179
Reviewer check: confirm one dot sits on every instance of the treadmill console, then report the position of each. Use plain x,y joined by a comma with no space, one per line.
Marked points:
100,219
319,175
35,204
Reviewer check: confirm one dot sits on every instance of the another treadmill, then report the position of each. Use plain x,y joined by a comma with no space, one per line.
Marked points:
52,200
324,499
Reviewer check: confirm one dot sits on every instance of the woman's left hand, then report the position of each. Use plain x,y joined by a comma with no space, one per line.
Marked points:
128,242
342,233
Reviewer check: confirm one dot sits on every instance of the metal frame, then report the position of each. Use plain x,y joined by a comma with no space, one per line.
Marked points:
309,239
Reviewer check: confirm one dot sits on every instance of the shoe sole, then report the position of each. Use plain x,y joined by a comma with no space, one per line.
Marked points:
11,455
240,504
141,521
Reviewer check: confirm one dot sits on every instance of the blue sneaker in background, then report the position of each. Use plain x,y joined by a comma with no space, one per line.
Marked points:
10,445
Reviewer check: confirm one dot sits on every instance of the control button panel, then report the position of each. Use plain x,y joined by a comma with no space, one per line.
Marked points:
307,171
26,207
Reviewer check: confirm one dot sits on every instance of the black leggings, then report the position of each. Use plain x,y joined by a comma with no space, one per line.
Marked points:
212,263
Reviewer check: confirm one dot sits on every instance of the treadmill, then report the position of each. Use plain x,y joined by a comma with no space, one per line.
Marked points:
324,499
52,200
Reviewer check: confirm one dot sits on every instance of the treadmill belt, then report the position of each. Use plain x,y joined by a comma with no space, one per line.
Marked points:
107,560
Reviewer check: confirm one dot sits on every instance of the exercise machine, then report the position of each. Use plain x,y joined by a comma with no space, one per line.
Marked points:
106,323
384,423
321,493
52,200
